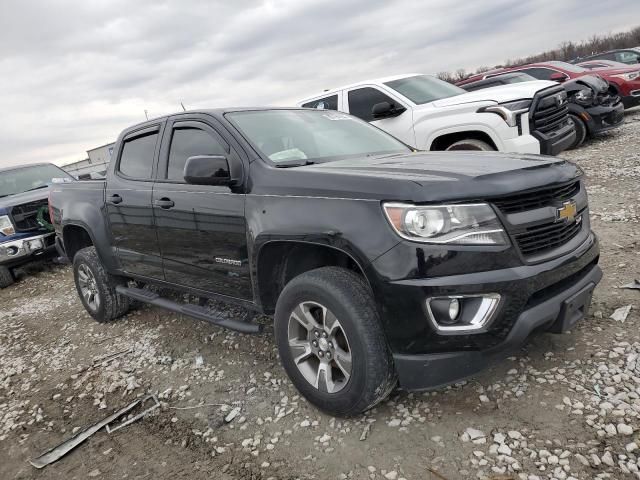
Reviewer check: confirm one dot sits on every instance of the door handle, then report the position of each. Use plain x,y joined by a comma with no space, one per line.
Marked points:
164,202
115,199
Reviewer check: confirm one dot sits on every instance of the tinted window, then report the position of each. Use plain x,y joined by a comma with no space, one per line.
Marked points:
189,142
362,100
137,156
327,103
539,72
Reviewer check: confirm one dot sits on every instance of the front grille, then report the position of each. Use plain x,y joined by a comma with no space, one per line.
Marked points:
551,111
542,238
25,217
539,198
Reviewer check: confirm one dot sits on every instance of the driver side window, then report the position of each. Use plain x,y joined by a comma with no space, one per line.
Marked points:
362,100
189,142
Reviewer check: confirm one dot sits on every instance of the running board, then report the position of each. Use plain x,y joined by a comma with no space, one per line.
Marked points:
195,311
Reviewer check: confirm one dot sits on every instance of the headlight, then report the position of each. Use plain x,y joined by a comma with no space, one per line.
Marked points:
509,111
584,96
471,224
6,227
627,76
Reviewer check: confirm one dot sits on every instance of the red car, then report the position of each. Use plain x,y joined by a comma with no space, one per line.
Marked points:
623,81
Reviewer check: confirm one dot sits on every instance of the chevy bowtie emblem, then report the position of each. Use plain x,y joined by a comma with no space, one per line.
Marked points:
567,212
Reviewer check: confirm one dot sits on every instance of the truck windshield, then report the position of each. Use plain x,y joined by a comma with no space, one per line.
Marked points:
23,179
310,136
422,89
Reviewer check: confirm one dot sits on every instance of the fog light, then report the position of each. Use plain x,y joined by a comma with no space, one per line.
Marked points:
462,313
454,308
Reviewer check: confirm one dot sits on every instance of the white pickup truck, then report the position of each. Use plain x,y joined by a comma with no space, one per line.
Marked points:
430,114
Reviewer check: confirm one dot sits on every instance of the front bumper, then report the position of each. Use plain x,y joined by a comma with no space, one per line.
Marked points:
603,118
534,296
557,141
20,251
632,100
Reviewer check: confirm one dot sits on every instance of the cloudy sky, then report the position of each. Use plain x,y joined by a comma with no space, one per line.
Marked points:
73,74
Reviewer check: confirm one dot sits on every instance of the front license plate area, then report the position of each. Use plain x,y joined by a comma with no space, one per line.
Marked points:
573,309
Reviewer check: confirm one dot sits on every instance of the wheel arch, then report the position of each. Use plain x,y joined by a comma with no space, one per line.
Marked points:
444,140
279,261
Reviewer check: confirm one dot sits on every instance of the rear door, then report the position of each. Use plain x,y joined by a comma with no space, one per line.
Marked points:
128,203
201,228
360,103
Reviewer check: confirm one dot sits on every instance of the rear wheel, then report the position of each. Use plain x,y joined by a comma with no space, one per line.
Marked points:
581,130
470,144
331,342
6,277
96,288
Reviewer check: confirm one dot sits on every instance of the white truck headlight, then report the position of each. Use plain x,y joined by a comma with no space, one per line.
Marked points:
465,224
6,227
509,111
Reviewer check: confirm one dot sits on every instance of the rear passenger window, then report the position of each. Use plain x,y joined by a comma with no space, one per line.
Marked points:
362,100
189,142
327,103
137,156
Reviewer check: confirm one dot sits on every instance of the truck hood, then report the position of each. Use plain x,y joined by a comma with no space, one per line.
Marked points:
6,203
425,176
499,94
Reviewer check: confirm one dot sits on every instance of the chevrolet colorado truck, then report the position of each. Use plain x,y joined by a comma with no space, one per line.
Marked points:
25,227
380,264
430,114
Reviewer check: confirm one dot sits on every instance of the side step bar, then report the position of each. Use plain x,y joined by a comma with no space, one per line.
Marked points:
195,311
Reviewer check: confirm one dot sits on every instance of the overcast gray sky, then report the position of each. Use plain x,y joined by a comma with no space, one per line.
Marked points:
73,74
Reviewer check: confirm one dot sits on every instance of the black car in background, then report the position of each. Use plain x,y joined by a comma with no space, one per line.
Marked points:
593,108
630,56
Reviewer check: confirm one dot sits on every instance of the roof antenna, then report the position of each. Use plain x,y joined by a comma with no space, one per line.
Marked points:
183,109
146,114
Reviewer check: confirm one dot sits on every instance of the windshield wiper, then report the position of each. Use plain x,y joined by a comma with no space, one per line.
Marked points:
36,188
294,163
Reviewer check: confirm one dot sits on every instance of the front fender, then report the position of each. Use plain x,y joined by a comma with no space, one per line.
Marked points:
429,129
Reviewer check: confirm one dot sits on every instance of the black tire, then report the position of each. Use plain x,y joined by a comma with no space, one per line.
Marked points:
6,277
470,144
345,294
581,130
110,305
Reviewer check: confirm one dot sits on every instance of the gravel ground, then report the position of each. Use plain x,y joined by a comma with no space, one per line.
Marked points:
566,406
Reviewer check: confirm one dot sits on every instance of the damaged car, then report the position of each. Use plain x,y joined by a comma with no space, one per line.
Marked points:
593,107
26,232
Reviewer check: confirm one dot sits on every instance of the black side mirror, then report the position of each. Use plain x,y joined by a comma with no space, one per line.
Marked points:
207,170
386,110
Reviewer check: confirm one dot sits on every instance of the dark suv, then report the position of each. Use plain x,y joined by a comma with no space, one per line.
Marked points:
379,263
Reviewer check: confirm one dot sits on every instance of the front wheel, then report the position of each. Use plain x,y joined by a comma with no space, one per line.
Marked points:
331,342
6,277
581,130
470,144
96,288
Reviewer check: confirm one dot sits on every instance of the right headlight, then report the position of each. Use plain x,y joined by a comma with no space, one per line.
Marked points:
6,227
509,111
465,224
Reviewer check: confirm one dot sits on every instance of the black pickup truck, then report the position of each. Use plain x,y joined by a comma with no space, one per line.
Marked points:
380,264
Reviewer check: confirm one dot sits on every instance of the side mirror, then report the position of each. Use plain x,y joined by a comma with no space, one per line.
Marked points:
386,110
558,77
207,170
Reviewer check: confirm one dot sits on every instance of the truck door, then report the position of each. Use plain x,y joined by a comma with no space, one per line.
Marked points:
360,102
128,203
201,228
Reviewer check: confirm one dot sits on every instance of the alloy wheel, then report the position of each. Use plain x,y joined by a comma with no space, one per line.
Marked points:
88,287
319,347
